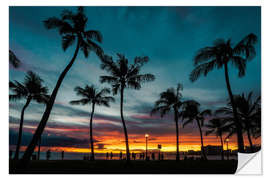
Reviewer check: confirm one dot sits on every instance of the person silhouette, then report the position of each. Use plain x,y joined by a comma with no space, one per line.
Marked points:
111,155
62,155
121,155
107,156
153,156
48,154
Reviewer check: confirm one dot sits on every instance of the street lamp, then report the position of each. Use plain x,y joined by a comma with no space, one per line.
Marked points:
227,141
146,143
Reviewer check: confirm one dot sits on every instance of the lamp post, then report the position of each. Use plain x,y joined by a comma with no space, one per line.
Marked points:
227,141
146,143
159,148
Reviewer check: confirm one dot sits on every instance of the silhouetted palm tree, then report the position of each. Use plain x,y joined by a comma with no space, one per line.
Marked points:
91,95
71,27
14,61
170,100
249,113
190,113
30,89
217,126
220,55
124,75
256,131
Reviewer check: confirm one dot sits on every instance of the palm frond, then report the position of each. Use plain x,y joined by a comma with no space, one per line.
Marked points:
95,48
83,101
15,97
94,35
188,121
14,60
246,46
108,79
140,61
85,48
240,64
202,69
141,78
53,22
67,41
204,55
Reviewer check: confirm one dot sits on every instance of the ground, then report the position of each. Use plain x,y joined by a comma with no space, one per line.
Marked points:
120,167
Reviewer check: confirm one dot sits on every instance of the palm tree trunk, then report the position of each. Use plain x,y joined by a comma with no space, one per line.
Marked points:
177,135
21,129
250,141
46,114
124,124
39,143
91,133
240,140
202,146
222,151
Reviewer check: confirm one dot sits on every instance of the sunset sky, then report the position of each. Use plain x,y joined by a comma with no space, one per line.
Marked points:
170,36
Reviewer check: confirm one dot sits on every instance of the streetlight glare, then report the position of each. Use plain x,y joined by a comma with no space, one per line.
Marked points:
146,135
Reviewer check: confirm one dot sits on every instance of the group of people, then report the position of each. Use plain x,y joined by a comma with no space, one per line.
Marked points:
48,154
133,155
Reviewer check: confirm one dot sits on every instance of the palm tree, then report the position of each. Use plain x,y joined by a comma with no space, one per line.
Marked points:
91,95
256,131
30,89
123,75
217,126
71,28
218,56
249,114
190,113
14,61
170,100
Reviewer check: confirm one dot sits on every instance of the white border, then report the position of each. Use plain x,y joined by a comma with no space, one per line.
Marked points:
4,73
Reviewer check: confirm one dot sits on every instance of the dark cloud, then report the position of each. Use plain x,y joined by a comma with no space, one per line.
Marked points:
49,140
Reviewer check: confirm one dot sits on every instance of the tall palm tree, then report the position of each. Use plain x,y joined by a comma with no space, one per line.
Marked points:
14,61
190,113
256,131
91,95
123,75
170,100
219,56
249,113
217,126
30,89
71,28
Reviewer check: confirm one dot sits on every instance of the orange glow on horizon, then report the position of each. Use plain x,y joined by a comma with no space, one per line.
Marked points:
115,145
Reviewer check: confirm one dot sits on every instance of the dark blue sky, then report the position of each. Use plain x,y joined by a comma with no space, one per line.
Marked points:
170,36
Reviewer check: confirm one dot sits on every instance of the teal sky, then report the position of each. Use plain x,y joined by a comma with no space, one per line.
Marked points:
170,36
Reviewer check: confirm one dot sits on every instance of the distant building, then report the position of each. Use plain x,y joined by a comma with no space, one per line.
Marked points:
213,150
